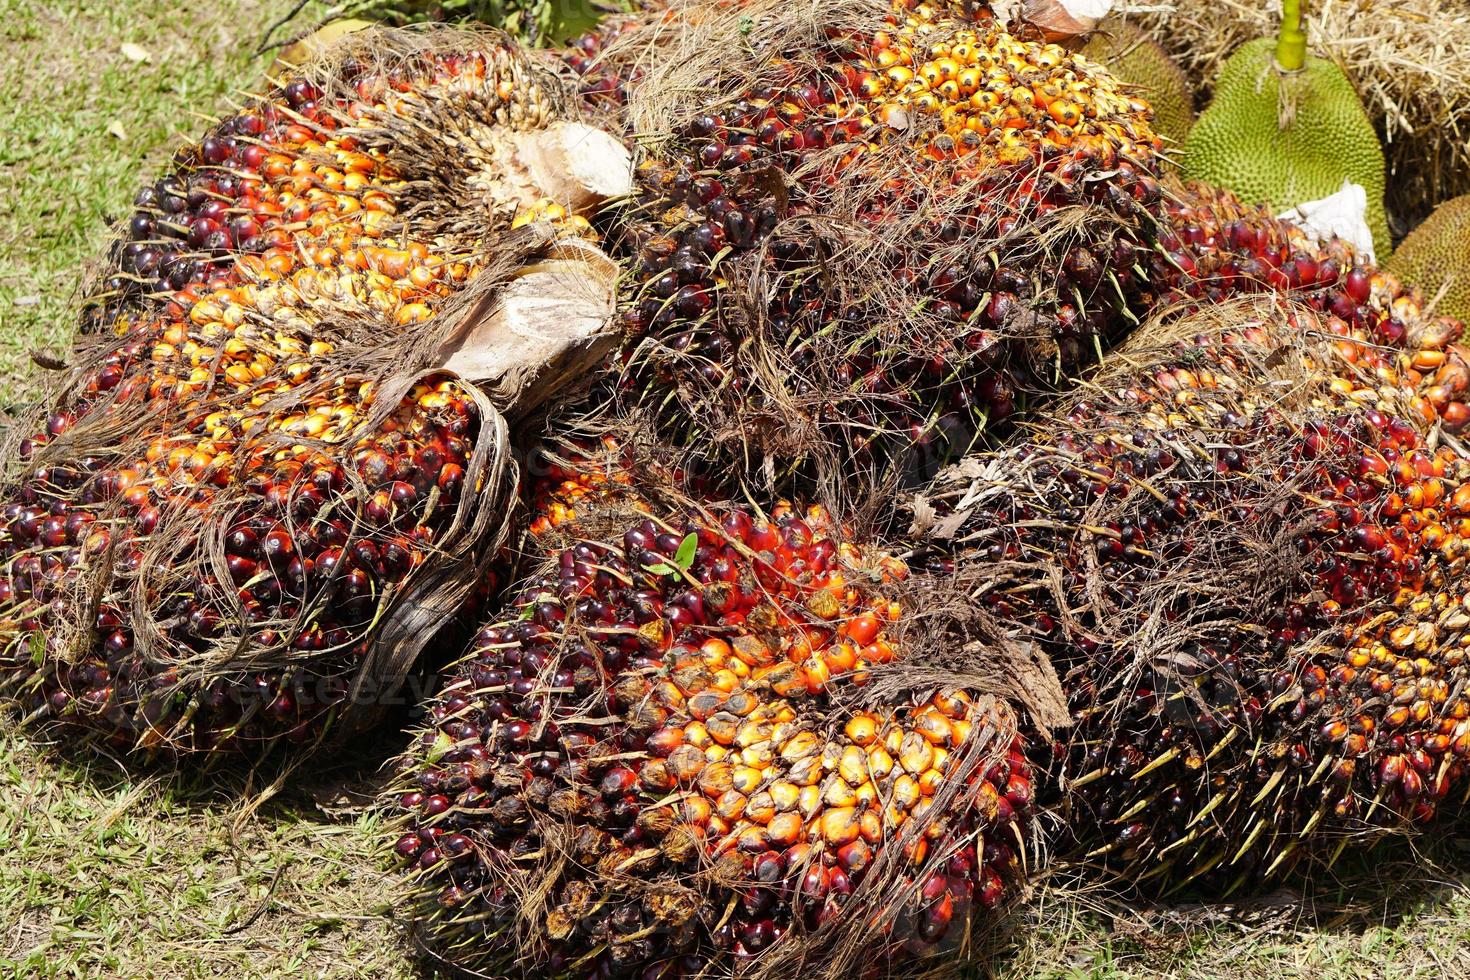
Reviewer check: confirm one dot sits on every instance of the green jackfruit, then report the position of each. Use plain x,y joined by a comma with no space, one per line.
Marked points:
1436,256
1286,138
1137,59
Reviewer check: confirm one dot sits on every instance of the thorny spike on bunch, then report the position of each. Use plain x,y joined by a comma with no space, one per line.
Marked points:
1245,554
661,765
255,491
803,241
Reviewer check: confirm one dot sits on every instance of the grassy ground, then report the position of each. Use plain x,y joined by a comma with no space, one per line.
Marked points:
106,871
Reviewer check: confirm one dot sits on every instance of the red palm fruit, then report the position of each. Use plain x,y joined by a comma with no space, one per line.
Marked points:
604,84
1243,553
247,492
656,744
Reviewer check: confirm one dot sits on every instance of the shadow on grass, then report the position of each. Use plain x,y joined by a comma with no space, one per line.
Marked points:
1400,893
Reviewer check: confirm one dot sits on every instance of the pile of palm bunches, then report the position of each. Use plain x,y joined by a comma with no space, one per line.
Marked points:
1244,552
253,499
661,761
707,739
804,242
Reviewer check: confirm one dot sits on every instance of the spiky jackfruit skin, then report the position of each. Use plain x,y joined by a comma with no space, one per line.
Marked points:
1436,256
662,765
1138,60
1263,607
201,545
1284,139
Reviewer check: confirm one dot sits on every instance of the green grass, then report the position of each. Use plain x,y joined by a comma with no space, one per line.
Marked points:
84,123
113,873
107,871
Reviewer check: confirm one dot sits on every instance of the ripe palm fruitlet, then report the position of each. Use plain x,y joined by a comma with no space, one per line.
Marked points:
874,232
682,753
259,492
1244,550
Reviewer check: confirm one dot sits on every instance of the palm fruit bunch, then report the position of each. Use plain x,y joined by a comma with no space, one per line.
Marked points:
802,242
325,160
258,494
1222,249
688,747
1243,550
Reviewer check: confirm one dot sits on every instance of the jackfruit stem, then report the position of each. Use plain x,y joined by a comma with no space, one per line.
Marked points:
1291,43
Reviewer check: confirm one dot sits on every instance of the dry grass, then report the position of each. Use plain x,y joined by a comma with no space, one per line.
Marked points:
114,872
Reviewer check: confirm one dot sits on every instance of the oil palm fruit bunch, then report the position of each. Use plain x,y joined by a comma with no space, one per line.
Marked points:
277,471
1222,249
335,158
875,231
1243,550
690,746
1286,127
